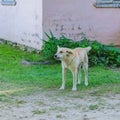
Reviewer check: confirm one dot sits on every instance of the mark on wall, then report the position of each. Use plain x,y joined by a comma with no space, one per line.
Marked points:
31,38
71,28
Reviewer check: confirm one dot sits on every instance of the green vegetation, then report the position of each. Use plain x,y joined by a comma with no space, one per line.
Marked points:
18,79
99,55
38,112
93,107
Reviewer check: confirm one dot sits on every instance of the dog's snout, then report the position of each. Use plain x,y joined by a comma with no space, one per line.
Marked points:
55,56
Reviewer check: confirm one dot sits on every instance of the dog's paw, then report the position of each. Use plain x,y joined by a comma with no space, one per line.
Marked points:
62,88
74,89
79,83
86,83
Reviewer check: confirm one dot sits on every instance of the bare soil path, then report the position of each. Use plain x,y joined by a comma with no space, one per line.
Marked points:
62,105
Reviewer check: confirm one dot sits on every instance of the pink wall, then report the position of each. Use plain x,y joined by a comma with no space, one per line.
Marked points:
71,17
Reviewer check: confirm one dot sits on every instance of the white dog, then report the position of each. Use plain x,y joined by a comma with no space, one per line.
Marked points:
73,59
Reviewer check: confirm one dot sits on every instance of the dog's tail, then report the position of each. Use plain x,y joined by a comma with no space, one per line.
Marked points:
88,49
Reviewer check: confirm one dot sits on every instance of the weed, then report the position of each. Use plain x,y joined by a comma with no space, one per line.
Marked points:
57,108
38,112
41,103
59,116
99,55
5,98
20,102
93,107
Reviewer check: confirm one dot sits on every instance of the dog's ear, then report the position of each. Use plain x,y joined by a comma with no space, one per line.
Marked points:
58,46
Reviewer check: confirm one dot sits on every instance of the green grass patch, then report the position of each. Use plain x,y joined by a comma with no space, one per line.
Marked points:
18,79
93,107
39,112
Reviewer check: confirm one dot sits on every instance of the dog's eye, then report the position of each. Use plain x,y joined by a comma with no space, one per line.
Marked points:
69,52
61,51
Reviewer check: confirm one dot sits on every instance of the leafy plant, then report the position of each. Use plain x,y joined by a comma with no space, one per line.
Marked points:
99,55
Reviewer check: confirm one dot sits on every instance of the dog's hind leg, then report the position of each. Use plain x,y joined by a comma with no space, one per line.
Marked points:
79,75
85,67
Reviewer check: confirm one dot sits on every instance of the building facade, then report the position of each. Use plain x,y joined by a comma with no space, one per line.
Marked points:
98,19
22,22
25,21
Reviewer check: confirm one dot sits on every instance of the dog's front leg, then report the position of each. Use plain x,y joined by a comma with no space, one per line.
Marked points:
63,78
74,80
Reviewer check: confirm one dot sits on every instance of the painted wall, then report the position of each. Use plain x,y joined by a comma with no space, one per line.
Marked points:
71,17
22,23
26,22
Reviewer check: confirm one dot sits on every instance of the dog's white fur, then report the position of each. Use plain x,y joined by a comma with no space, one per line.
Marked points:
73,59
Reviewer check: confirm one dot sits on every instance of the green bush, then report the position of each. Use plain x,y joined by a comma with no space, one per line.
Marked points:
100,54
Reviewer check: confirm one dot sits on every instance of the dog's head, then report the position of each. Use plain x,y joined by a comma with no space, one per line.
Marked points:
63,53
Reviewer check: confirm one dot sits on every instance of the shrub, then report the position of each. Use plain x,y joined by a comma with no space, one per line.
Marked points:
100,54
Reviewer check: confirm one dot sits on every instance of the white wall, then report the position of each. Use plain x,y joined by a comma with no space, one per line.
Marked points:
22,23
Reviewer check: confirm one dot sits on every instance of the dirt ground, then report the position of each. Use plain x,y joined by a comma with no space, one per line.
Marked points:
62,105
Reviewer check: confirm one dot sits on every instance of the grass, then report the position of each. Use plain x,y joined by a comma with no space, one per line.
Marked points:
18,79
38,112
93,107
